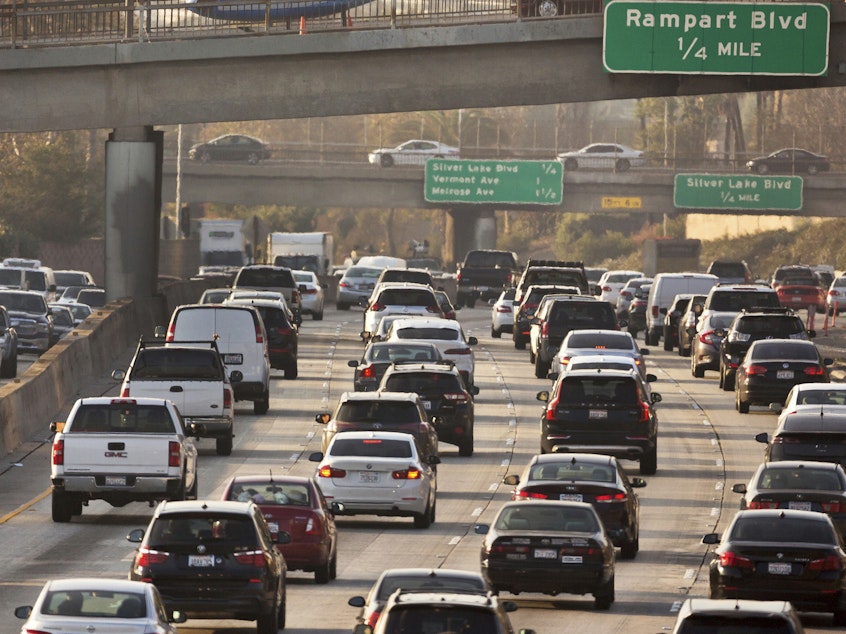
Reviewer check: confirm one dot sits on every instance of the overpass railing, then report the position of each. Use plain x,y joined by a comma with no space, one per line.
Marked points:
26,24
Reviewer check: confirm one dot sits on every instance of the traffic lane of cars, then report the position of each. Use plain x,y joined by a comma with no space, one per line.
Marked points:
670,519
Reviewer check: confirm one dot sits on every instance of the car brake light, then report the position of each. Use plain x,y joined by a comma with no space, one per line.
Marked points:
460,397
762,504
832,507
607,289
813,370
832,562
503,309
373,618
310,291
259,336
59,452
124,393
147,557
784,440
616,497
565,360
458,351
376,306
529,495
756,370
834,293
733,560
644,412
344,284
545,329
368,372
171,332
551,408
313,526
625,293
407,474
174,454
707,338
250,558
330,472
227,398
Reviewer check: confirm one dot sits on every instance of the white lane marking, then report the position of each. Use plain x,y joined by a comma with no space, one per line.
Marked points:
715,511
294,457
719,462
454,541
719,486
676,606
493,487
310,435
695,406
476,512
512,422
509,442
713,441
504,463
690,573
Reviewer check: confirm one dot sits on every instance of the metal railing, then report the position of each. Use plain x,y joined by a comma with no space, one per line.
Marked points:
33,24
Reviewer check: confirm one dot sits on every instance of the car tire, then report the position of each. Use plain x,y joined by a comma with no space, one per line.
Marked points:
317,316
519,343
604,595
192,492
471,302
622,165
9,369
838,618
341,306
263,404
268,623
223,445
649,461
740,404
252,158
532,355
386,160
61,507
668,341
465,447
653,337
496,334
205,156
323,574
571,164
541,368
629,549
633,332
697,371
282,612
424,519
291,371
728,382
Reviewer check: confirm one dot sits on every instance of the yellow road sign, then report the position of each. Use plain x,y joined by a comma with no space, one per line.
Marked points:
619,202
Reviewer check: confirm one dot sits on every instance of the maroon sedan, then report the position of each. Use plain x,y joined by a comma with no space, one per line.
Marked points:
294,505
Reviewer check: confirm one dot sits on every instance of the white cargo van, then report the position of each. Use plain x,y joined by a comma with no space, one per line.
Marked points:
241,340
665,287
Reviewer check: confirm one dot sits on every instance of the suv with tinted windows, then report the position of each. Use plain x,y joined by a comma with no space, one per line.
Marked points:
393,298
557,317
601,411
731,271
524,314
272,278
749,326
418,276
807,435
552,272
226,549
444,396
31,319
733,298
737,615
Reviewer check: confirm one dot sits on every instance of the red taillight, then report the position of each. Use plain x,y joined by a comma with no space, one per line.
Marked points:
762,504
174,454
625,293
833,507
407,474
832,562
376,306
834,293
368,372
607,289
330,472
373,618
813,370
171,332
344,284
545,329
551,408
146,558
124,393
528,495
285,331
259,336
227,398
644,412
250,558
755,370
616,497
503,309
509,548
708,338
314,526
733,560
784,440
458,351
310,291
59,452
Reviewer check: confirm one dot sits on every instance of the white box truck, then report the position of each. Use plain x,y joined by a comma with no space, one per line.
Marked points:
301,251
222,243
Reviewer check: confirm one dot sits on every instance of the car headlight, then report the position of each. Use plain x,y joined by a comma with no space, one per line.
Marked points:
42,328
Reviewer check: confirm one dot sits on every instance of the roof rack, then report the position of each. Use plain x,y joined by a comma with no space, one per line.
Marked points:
568,263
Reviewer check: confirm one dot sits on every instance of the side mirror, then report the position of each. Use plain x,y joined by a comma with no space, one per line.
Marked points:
282,537
315,456
656,398
352,363
491,302
433,460
236,376
644,351
177,617
481,529
160,332
197,430
637,483
135,535
509,606
651,378
828,361
474,390
663,311
472,341
511,480
552,376
739,488
302,288
356,602
720,332
23,611
119,375
711,538
623,323
57,426
776,407
322,418
543,396
763,437
362,628
812,334
337,507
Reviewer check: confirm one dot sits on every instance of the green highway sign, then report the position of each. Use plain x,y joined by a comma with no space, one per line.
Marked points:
715,38
738,191
478,182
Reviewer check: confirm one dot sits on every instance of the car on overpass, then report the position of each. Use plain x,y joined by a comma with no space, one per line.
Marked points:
789,161
413,152
231,147
614,156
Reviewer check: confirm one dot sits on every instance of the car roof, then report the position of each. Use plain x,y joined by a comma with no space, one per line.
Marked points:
200,506
732,607
430,572
442,598
257,301
109,400
800,464
347,397
592,458
371,434
277,478
600,331
97,583
600,372
406,367
813,420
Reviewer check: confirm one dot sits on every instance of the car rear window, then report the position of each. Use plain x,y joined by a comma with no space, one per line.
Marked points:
554,276
734,624
770,326
600,341
37,280
727,269
423,619
390,353
440,334
804,478
128,418
370,447
490,259
424,382
406,297
378,411
598,389
273,318
96,604
430,583
551,518
573,471
781,529
405,275
271,278
270,493
776,350
581,314
10,277
24,302
216,531
170,363
822,397
735,301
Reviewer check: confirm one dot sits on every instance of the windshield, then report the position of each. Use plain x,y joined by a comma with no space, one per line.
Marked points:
23,302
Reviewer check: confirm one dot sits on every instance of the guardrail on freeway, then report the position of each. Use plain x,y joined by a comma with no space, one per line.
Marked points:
30,24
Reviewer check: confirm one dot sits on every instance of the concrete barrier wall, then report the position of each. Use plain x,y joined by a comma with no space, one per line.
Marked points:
55,380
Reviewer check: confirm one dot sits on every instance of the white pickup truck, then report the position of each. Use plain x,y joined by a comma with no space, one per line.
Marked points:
121,451
192,375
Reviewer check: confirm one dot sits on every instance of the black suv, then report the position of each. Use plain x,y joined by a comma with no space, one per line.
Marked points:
807,435
557,317
736,297
211,559
272,278
601,411
444,396
752,325
524,313
552,272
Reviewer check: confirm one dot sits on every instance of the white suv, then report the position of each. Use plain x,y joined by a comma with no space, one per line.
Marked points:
396,298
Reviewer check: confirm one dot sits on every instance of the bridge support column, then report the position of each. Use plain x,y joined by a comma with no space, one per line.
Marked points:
468,229
133,207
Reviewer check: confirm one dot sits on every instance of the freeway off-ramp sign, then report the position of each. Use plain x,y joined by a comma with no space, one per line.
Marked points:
716,38
494,181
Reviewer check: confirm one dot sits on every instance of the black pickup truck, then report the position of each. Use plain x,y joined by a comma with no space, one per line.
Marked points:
483,275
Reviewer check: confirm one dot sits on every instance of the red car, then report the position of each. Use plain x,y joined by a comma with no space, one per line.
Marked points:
801,292
294,505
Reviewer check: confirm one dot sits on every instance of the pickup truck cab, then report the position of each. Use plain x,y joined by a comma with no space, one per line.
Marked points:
483,274
194,378
120,451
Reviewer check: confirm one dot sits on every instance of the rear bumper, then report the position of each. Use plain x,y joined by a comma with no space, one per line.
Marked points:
212,426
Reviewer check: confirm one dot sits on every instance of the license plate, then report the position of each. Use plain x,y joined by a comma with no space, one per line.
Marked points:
797,299
115,481
545,553
597,414
784,374
799,506
201,561
571,497
273,526
571,559
427,404
368,478
233,359
777,568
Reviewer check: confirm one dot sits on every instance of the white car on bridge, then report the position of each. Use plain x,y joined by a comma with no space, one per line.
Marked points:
414,152
603,155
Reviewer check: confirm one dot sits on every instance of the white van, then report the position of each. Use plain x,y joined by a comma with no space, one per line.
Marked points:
241,341
665,287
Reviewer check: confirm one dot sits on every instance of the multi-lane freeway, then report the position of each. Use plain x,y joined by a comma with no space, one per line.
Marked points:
705,447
